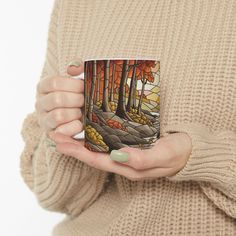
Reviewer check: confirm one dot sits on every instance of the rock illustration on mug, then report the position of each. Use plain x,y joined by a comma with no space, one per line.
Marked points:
122,104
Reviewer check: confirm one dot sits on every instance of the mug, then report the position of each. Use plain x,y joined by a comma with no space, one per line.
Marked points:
122,103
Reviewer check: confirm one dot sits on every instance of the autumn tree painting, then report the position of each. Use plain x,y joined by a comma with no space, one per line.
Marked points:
122,104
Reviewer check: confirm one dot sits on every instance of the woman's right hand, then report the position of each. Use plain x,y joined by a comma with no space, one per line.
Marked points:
59,101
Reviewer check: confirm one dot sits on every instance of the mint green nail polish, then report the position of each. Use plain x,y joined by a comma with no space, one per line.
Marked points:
75,63
119,156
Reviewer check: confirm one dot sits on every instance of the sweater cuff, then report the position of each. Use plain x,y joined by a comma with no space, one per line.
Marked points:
31,134
212,157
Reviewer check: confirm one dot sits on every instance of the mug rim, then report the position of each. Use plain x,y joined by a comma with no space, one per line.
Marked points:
122,58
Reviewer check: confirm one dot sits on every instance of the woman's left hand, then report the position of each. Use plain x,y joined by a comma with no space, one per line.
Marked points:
167,157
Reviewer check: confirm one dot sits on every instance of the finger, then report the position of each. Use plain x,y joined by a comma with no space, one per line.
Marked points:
62,138
59,99
70,129
97,160
94,159
52,84
59,116
104,163
157,156
75,67
74,70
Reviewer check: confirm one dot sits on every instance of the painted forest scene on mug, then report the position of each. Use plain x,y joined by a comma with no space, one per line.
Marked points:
122,104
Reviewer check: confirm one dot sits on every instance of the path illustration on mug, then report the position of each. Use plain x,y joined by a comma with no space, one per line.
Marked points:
122,106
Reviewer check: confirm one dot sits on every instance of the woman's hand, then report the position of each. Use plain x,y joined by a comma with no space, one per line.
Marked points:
59,101
168,156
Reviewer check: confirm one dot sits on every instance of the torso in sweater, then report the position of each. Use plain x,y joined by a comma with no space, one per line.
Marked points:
196,44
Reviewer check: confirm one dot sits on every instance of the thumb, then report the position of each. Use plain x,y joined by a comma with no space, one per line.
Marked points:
75,67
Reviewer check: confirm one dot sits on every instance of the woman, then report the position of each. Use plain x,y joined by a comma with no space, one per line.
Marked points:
185,184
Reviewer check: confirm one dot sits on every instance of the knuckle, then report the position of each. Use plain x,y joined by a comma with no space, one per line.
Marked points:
57,116
57,99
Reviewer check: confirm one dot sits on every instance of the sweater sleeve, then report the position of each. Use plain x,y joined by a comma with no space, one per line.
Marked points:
60,183
212,163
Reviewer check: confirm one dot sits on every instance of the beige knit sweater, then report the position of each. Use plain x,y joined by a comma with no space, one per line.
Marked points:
196,43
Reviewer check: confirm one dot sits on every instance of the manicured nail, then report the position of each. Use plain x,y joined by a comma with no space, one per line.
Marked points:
119,156
74,63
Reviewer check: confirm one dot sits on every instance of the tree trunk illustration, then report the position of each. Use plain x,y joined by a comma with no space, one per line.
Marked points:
135,90
121,106
113,82
98,89
86,83
105,101
132,89
144,81
91,97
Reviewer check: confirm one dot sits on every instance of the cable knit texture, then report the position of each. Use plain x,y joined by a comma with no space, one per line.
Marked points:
196,43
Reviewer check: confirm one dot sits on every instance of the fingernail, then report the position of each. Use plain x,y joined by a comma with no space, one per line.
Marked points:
75,63
119,156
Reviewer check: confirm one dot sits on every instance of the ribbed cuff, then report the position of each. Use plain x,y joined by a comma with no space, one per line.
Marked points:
213,156
63,183
31,131
31,134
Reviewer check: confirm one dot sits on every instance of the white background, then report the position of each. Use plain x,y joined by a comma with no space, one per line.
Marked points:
23,35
